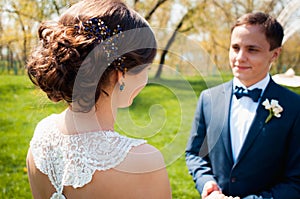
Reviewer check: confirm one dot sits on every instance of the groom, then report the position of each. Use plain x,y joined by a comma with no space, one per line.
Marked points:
239,145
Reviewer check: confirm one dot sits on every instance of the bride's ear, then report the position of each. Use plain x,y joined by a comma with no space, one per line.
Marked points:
120,77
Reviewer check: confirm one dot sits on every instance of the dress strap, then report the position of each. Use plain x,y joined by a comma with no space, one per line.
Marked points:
57,195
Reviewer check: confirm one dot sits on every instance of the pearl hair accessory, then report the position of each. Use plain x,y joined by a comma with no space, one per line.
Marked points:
97,30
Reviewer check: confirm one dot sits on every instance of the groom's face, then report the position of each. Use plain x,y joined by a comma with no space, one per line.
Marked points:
250,55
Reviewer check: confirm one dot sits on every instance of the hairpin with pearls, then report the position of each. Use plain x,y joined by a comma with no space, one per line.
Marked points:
97,30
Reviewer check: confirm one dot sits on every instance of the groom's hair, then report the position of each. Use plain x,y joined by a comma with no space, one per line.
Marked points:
269,25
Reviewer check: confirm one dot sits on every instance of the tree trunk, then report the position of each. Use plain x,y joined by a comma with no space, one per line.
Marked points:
150,13
166,49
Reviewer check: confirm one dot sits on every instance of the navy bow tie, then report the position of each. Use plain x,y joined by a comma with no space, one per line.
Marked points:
253,94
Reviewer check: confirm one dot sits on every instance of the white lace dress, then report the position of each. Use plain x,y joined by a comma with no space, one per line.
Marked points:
71,160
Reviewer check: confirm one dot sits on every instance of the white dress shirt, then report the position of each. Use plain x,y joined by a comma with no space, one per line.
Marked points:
242,114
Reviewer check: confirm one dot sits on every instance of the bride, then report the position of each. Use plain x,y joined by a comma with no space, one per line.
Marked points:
95,58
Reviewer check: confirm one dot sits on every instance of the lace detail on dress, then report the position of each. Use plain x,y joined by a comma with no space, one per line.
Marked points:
71,160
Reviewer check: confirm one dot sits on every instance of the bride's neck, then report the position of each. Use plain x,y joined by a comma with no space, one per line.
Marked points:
99,118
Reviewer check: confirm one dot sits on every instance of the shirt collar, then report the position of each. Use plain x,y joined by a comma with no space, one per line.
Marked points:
262,84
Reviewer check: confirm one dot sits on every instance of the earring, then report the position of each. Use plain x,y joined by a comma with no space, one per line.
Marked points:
122,86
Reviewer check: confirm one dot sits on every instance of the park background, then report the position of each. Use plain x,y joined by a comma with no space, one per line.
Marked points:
193,39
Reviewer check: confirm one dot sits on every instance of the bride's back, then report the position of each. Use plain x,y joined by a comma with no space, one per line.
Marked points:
141,175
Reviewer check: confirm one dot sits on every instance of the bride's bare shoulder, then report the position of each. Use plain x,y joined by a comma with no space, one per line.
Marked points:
144,173
141,159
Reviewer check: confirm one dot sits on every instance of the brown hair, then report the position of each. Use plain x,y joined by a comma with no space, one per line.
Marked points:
68,65
269,25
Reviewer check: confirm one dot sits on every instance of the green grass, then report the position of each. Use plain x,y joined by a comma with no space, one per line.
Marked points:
162,114
21,107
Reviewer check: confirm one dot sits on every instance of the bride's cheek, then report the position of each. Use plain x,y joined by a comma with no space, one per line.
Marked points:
135,93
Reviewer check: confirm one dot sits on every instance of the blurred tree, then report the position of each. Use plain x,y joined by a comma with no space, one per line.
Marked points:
180,27
19,19
290,55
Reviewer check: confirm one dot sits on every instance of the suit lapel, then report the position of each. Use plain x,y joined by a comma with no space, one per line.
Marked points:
258,122
226,95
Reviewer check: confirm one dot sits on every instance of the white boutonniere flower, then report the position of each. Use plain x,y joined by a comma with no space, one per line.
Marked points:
274,109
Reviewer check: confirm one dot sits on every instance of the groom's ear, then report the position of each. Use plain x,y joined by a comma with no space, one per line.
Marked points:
276,53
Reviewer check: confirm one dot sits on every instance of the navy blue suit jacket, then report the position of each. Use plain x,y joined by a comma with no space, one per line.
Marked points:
268,165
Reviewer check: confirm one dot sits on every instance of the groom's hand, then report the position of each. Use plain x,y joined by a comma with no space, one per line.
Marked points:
218,195
211,190
209,187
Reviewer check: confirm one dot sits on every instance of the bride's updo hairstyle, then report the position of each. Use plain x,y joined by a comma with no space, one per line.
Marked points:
93,39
